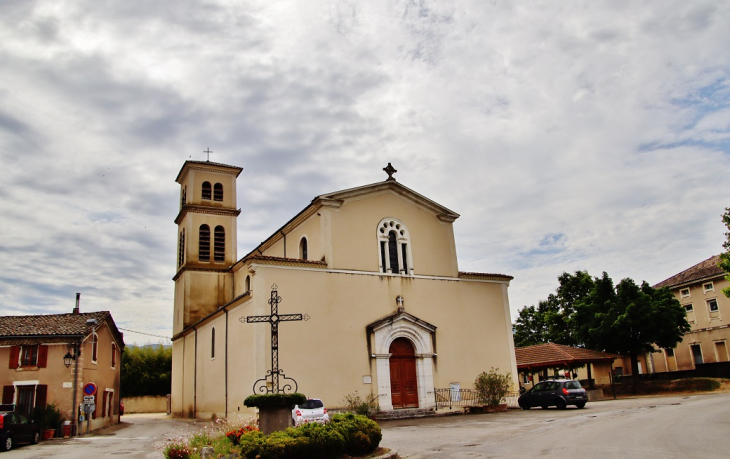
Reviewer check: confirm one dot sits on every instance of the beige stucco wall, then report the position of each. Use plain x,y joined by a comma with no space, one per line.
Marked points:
328,354
145,404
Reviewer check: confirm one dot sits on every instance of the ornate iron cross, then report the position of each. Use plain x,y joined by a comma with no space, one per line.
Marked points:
262,385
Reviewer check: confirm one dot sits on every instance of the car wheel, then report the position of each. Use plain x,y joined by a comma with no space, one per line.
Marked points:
581,405
560,403
544,407
36,437
7,443
525,407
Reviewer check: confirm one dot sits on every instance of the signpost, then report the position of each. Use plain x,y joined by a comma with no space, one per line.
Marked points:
89,406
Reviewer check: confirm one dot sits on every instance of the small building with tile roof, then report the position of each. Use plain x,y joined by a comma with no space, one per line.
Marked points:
371,272
699,289
34,352
544,359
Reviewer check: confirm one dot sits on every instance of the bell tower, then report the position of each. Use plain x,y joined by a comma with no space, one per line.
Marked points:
206,235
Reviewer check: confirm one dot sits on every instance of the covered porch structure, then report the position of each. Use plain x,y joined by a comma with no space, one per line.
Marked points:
538,359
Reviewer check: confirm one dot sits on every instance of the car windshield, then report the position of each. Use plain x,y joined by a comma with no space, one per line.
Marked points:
311,404
572,385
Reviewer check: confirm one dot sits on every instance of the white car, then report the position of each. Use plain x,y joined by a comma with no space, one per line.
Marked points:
312,410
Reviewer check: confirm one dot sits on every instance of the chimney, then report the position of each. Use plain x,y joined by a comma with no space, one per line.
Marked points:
78,298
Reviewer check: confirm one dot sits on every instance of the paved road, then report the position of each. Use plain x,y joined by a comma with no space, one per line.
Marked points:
140,436
696,426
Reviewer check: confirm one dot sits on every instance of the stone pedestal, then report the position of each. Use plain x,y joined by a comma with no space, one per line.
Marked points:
273,419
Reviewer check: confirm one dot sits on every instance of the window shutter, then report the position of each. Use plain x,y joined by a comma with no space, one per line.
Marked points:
42,356
8,394
96,405
41,395
103,406
14,356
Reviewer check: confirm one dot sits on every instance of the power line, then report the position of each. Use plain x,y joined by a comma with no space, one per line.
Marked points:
143,333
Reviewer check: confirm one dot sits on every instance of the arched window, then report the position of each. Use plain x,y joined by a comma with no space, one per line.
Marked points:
94,346
206,190
204,243
219,245
217,192
247,284
183,196
394,247
303,249
212,343
114,355
181,249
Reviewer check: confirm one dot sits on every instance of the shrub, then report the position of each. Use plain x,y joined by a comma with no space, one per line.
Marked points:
176,450
491,387
47,417
235,435
358,405
275,400
362,435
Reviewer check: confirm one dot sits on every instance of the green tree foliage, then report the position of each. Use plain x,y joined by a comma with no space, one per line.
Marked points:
146,370
550,321
725,257
628,319
493,386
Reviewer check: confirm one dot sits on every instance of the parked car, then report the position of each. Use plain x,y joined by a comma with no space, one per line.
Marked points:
16,428
559,393
312,410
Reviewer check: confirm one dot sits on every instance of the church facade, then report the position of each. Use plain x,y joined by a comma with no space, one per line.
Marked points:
368,298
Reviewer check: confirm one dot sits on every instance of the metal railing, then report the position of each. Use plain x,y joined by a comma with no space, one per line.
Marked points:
468,398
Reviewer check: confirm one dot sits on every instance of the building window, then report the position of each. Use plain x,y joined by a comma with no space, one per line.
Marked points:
206,191
29,356
204,243
247,284
670,352
708,287
181,249
696,353
217,192
183,196
394,247
712,304
303,249
690,313
94,347
684,293
114,355
212,343
219,245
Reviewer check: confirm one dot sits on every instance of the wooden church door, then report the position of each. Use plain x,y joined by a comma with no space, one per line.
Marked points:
403,381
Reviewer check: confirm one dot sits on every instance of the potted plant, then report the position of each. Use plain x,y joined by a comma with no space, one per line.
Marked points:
491,388
48,419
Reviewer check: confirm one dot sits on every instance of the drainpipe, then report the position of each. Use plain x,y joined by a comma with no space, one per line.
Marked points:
195,378
74,407
226,364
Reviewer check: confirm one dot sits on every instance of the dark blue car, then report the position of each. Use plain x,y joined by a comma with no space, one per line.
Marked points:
559,393
16,428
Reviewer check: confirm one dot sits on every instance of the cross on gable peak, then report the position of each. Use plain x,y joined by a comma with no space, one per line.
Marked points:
390,170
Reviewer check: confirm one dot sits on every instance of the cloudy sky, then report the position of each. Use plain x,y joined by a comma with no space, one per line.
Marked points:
572,135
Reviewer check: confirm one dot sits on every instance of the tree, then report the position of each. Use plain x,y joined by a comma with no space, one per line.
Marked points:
725,257
629,319
550,321
146,370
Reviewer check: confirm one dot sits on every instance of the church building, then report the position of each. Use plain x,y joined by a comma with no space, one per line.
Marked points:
362,286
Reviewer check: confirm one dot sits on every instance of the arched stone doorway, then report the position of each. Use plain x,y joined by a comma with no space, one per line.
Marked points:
403,379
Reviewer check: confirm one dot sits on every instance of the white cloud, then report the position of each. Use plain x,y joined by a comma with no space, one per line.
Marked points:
579,135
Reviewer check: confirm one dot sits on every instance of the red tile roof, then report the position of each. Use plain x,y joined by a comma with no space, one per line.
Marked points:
50,325
703,270
551,355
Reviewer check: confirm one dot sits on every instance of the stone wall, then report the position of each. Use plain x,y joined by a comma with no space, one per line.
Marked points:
146,404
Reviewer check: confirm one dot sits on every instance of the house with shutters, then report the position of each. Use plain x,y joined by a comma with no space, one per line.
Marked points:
699,289
49,358
359,292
